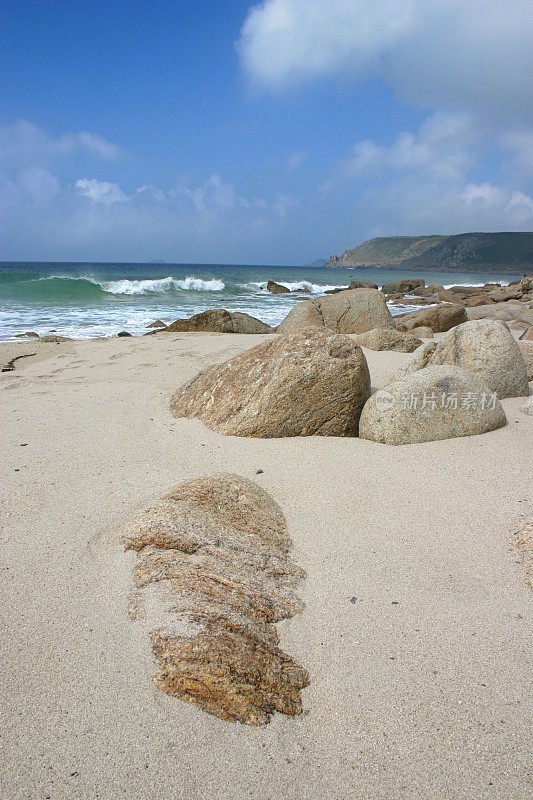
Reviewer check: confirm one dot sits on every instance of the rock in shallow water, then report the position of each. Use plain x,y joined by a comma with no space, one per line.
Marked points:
433,403
212,578
310,382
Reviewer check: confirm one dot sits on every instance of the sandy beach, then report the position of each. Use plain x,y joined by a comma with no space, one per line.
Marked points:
416,630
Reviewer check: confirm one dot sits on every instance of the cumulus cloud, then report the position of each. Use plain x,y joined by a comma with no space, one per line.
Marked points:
441,148
440,53
100,191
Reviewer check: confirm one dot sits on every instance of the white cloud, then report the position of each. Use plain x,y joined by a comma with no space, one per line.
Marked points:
473,54
285,42
440,149
100,191
22,142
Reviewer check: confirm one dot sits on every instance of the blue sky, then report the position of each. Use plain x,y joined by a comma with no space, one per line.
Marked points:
260,133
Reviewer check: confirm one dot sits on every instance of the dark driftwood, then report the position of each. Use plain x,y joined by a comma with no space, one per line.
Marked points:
11,364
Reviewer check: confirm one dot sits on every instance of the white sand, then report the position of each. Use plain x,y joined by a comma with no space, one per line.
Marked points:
423,699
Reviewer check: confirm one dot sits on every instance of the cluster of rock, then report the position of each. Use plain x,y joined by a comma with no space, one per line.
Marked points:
212,578
314,380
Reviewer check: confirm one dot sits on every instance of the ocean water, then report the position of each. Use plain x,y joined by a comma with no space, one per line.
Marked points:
91,300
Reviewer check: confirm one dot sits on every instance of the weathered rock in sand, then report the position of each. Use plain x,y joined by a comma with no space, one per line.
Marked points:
212,578
124,334
27,335
157,324
431,404
439,318
351,311
310,382
55,339
219,321
486,348
277,288
388,339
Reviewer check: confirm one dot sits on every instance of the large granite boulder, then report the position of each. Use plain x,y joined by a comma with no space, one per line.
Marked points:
418,359
401,287
435,403
218,320
310,382
504,311
439,318
388,339
486,348
527,352
352,311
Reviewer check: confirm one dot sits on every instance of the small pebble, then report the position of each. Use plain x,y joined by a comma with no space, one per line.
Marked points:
259,472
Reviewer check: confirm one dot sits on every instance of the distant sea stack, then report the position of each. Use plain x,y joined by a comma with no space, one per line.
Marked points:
472,252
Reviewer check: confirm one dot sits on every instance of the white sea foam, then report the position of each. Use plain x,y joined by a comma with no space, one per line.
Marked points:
162,285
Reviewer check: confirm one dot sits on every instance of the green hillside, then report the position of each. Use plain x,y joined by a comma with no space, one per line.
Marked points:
509,252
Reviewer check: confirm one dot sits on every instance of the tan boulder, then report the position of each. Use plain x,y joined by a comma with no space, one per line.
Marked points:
403,286
418,359
486,348
434,403
478,300
244,323
422,331
388,339
503,311
527,352
309,382
219,321
439,318
351,311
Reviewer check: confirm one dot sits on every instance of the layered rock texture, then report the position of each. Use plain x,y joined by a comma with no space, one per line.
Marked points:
310,382
434,403
212,578
350,311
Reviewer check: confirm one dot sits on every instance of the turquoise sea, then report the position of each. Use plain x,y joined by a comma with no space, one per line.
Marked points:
91,300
